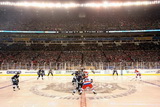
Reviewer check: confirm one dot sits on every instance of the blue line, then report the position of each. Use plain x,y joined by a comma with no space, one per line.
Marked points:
9,85
151,83
5,86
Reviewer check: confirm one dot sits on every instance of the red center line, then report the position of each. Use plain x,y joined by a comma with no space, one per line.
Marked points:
83,102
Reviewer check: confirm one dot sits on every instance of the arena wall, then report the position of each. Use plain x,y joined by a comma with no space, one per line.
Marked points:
107,72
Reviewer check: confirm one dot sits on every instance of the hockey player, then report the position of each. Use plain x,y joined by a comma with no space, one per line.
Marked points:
50,72
78,82
138,74
85,73
76,73
40,73
115,71
15,81
87,82
92,71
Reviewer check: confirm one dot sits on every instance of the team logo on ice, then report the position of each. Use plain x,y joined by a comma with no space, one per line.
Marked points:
104,90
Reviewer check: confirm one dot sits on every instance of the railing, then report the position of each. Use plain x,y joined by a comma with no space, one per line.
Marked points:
77,65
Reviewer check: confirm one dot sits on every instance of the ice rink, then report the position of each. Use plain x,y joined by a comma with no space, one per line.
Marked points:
56,91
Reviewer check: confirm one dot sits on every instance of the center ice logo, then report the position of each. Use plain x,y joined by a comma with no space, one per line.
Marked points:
104,90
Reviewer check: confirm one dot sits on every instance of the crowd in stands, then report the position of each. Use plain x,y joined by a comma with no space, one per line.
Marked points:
145,17
86,19
85,55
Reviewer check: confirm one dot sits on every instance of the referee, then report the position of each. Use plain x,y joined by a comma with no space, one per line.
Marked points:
115,71
50,72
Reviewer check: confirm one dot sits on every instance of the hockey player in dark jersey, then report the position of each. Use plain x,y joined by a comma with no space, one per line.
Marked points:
76,73
15,81
78,82
40,73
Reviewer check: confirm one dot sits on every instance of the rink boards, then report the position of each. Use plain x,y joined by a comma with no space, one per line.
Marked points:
107,72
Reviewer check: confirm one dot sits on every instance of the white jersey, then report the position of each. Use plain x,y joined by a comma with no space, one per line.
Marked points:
87,81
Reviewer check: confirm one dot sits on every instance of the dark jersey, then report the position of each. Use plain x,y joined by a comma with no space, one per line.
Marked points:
76,73
41,72
79,79
79,82
15,79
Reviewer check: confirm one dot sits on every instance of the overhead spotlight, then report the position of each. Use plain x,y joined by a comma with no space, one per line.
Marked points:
72,5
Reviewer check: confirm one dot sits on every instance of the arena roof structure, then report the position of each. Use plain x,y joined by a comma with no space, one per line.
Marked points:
94,25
